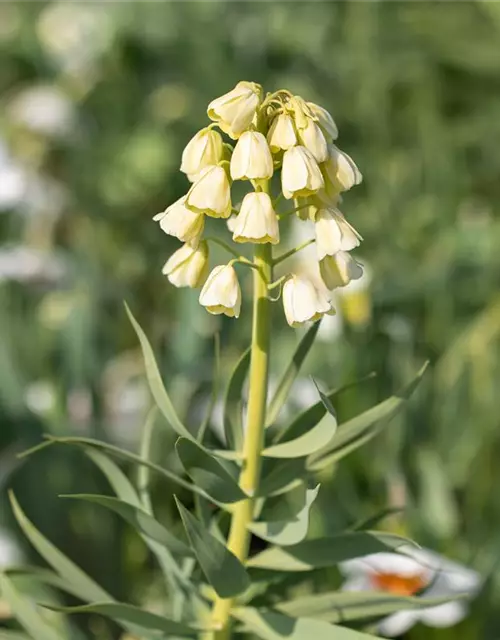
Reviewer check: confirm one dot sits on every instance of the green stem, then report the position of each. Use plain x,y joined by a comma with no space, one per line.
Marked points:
239,535
292,252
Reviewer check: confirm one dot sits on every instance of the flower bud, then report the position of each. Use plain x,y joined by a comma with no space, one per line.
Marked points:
300,174
341,171
251,158
256,221
325,121
303,302
235,110
334,233
281,135
188,266
205,149
313,139
339,270
179,221
221,292
211,193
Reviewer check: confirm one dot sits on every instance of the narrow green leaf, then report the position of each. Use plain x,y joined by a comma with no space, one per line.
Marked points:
119,482
80,581
233,403
222,569
345,606
140,520
312,415
276,626
315,439
360,429
26,612
208,473
45,576
280,476
290,374
287,532
6,634
156,386
134,615
327,552
374,520
145,451
127,455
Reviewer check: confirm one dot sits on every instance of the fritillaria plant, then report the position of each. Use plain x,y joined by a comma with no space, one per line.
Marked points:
261,480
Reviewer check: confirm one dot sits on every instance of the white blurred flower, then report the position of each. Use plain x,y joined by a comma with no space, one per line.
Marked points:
334,233
75,34
188,266
341,171
282,135
300,174
203,150
10,554
325,120
303,301
256,221
41,397
13,185
251,159
221,292
211,193
235,110
339,270
44,109
313,139
182,223
426,573
25,264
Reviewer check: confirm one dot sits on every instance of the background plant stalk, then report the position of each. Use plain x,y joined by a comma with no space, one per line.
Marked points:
239,535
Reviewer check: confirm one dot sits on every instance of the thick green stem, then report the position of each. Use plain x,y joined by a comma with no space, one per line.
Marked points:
239,535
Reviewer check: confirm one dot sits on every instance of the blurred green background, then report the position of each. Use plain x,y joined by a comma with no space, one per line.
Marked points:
96,104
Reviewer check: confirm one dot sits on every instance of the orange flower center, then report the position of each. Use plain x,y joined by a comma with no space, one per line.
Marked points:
398,585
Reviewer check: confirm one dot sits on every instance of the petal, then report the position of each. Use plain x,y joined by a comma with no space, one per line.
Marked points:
445,615
398,623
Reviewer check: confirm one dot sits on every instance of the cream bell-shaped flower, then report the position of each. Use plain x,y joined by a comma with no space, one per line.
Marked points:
188,266
256,221
325,121
334,233
419,573
235,110
303,302
221,292
341,170
339,270
179,221
313,139
205,149
211,193
251,159
300,174
282,135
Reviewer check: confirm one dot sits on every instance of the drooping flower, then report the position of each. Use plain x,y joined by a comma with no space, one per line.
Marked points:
188,266
211,193
221,292
205,149
325,121
303,301
313,139
340,170
256,221
251,159
334,233
179,221
300,174
281,135
339,269
424,573
235,110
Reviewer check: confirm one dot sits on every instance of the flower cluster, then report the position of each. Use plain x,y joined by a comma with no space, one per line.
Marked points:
279,133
